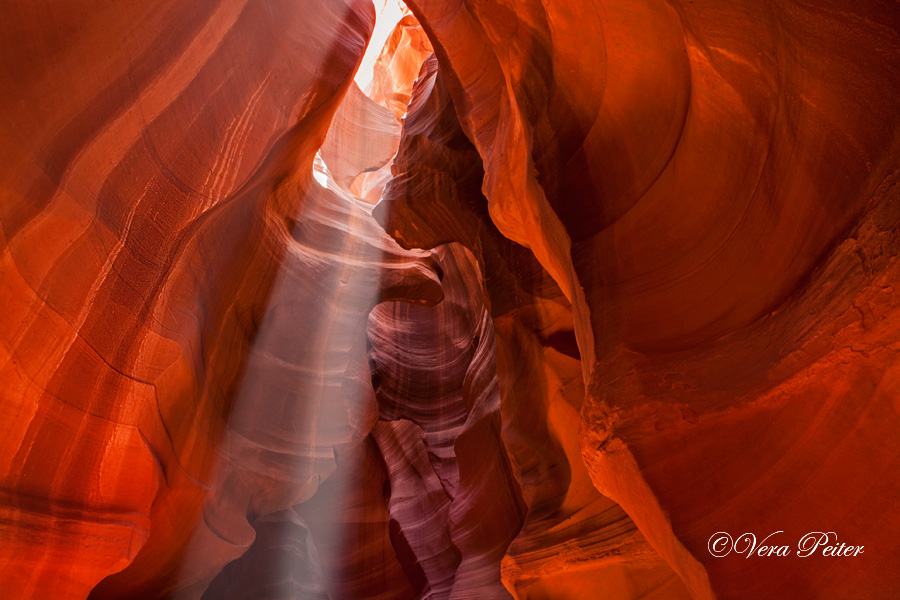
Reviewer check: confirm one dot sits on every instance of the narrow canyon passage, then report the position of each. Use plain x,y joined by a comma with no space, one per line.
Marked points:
321,299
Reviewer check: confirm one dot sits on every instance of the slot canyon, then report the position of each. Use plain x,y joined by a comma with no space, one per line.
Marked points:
449,300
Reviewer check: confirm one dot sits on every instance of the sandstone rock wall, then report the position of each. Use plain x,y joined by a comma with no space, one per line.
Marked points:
590,283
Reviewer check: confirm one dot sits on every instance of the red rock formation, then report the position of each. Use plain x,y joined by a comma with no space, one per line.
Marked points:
398,64
630,283
362,139
714,191
161,236
572,537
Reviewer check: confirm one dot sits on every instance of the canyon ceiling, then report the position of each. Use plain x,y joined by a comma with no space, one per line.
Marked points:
570,287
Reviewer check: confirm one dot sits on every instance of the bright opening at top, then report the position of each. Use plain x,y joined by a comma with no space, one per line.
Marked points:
387,14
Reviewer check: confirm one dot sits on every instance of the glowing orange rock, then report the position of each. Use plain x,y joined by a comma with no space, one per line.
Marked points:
572,539
161,231
398,64
714,190
646,254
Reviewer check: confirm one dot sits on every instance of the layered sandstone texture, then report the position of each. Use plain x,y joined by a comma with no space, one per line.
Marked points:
568,288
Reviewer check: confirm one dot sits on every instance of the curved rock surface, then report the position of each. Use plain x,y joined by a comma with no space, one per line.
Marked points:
532,319
715,194
362,139
573,540
184,333
398,64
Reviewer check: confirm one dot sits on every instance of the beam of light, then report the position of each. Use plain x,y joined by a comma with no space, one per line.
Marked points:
310,340
320,171
309,346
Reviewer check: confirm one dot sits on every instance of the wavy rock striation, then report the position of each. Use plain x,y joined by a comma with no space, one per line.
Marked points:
532,317
715,194
573,540
184,343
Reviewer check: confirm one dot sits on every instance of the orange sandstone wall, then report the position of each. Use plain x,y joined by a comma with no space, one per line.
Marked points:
713,187
593,282
158,219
